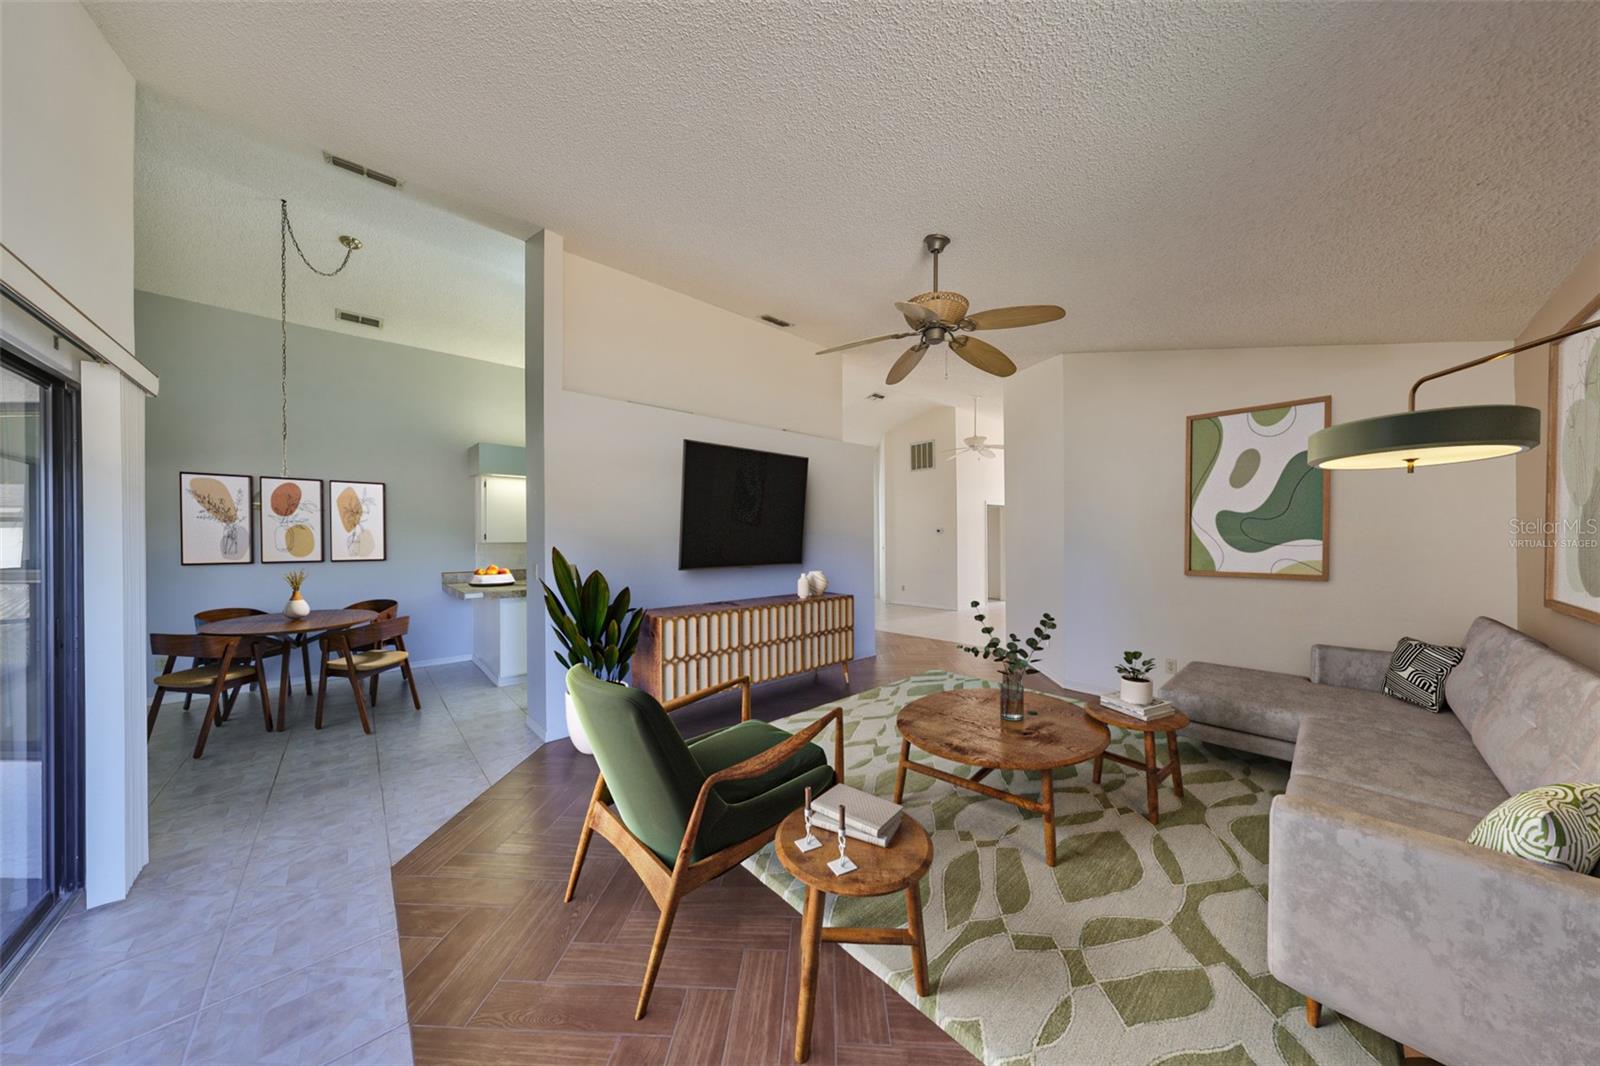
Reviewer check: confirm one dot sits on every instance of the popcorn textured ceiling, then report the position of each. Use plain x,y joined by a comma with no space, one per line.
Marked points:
1176,175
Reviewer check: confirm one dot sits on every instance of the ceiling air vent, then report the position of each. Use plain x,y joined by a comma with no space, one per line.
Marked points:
358,320
366,172
776,321
922,455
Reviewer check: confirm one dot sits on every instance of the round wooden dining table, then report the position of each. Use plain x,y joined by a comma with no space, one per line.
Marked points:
281,625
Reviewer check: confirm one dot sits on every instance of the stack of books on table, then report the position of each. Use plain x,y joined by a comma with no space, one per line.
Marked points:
866,817
1145,712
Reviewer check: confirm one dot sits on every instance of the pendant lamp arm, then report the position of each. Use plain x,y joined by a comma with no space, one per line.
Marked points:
1411,401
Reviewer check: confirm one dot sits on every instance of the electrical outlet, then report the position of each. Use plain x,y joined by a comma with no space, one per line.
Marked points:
1172,666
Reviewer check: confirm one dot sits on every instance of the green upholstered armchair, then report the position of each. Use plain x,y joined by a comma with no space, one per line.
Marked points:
688,811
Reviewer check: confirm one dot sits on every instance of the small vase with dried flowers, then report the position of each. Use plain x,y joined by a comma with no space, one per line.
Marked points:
297,607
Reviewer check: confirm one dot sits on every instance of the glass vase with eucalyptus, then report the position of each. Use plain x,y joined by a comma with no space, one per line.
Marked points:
1015,657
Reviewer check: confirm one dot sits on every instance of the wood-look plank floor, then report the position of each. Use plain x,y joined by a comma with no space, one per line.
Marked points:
500,971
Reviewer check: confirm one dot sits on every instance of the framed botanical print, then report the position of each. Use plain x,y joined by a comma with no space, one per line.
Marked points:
291,519
1256,507
1572,475
358,531
214,519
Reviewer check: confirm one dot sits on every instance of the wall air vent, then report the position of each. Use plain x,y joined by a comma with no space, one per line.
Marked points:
366,172
357,319
922,455
776,321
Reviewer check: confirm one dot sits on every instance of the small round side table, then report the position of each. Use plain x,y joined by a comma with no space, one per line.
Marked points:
1168,724
879,871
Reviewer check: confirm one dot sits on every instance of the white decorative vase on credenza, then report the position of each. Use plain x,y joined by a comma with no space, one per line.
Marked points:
812,583
1137,692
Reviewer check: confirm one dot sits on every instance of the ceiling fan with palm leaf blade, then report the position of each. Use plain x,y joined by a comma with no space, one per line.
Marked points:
940,317
976,444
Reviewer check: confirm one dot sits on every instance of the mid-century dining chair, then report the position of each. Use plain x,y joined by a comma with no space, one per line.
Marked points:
361,652
702,805
232,665
271,646
383,609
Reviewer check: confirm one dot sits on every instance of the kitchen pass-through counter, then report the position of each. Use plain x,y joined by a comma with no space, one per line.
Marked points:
499,623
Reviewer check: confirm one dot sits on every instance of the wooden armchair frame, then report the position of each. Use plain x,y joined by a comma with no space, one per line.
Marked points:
668,885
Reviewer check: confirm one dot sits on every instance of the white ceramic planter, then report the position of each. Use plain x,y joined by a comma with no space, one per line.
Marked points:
297,607
1137,692
580,739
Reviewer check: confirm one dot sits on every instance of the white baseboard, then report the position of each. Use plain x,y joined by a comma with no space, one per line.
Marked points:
446,661
500,680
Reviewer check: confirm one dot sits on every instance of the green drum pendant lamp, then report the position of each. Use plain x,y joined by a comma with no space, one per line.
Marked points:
1434,436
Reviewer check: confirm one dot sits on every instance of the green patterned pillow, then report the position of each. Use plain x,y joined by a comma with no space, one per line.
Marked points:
1557,825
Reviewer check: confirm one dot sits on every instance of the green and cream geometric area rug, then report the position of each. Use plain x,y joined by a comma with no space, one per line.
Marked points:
1143,945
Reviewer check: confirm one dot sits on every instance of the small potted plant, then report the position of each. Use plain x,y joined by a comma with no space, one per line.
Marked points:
1135,671
1015,657
297,607
594,629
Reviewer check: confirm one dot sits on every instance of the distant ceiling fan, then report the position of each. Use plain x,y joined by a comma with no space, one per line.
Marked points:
941,317
975,443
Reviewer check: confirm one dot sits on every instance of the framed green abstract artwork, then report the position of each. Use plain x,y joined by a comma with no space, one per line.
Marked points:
1572,482
1256,508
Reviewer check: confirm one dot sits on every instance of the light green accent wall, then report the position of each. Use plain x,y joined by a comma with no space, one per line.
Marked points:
359,409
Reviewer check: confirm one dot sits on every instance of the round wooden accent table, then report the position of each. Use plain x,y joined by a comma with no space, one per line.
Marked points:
964,726
279,625
879,871
1168,724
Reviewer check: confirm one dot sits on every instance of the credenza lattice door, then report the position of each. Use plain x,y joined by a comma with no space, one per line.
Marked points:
685,649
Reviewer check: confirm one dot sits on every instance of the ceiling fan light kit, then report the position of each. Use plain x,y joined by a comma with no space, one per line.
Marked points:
940,316
1434,436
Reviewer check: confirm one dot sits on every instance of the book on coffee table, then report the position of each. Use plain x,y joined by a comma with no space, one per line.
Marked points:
1145,712
867,817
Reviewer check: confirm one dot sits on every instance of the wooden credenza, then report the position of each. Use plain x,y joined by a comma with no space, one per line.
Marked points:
687,648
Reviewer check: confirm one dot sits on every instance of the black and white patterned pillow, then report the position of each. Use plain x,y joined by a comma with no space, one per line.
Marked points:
1417,671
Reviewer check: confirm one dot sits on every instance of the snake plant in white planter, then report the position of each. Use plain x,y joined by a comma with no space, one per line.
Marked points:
594,629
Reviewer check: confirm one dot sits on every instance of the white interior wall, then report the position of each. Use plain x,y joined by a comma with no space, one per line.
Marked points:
630,339
613,467
920,516
1410,555
66,176
66,220
979,482
1036,502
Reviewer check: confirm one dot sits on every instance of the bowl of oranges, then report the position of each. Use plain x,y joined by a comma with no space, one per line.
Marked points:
492,575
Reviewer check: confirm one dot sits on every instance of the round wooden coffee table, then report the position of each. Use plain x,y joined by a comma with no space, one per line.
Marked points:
879,871
964,726
1168,724
279,625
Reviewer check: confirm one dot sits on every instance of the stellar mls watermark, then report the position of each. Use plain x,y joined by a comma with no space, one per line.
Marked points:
1567,533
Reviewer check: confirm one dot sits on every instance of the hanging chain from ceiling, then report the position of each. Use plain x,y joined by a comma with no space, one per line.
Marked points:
285,238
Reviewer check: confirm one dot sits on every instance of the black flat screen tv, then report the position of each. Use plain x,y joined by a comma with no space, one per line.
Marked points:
741,507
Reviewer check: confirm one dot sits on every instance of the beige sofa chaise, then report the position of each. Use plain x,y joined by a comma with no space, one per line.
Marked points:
1377,905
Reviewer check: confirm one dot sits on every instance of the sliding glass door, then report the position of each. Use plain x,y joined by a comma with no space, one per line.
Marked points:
40,750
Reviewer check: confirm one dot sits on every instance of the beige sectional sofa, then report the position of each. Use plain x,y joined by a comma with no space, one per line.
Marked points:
1377,906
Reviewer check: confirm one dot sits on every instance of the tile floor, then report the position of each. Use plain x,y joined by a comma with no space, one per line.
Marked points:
957,626
263,929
